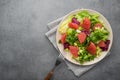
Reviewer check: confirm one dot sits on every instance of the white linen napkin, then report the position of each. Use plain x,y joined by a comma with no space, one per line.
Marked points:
76,69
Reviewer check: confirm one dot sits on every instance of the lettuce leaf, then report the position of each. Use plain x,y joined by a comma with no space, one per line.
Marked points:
84,56
64,26
81,15
84,14
94,18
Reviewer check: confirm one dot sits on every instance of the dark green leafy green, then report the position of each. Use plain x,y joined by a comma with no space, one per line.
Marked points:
99,34
71,36
94,19
87,41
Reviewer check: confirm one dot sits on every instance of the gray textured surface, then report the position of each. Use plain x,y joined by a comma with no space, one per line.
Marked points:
25,52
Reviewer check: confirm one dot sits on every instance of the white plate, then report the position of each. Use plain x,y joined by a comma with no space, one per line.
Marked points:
68,55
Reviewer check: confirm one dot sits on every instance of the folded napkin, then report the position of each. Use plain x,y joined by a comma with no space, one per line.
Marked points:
51,34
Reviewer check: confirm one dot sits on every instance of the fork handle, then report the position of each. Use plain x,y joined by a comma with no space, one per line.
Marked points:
49,75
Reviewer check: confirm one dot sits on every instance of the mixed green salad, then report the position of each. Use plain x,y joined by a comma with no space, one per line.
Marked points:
84,36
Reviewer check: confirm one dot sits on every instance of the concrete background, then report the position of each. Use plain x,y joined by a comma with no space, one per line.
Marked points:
25,52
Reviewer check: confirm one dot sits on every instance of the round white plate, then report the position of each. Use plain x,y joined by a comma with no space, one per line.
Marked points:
68,55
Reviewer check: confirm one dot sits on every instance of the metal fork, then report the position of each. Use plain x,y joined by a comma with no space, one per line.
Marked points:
58,61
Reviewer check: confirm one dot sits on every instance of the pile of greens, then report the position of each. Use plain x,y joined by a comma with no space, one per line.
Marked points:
95,36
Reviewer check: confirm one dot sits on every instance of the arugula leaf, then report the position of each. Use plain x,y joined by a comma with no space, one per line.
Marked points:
94,19
87,41
71,36
99,34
